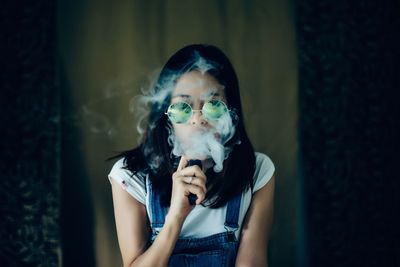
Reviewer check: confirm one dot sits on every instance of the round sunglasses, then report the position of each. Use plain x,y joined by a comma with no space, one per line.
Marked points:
182,112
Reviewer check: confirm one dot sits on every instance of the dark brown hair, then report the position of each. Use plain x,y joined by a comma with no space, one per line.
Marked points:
238,168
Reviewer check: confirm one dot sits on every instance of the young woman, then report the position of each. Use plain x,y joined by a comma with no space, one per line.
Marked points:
194,192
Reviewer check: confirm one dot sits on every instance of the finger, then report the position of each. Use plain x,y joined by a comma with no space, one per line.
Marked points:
182,163
195,181
198,191
193,171
187,179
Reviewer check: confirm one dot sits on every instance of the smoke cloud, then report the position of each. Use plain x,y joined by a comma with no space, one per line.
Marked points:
207,144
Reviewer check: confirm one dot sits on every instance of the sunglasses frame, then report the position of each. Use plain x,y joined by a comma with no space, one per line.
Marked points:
195,110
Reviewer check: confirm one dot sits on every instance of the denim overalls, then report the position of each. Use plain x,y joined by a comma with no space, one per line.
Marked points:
217,250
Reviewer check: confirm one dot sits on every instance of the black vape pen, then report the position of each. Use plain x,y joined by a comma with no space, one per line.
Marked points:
192,197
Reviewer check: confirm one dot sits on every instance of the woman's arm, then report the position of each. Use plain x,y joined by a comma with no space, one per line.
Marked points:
256,228
133,232
132,224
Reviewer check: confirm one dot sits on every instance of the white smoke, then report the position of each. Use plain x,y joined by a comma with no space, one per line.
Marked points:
208,144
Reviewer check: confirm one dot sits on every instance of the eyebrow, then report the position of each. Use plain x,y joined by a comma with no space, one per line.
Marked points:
188,96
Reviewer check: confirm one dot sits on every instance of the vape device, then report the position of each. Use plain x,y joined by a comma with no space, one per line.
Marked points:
192,197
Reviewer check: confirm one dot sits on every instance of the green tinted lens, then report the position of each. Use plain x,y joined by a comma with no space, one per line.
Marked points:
179,112
214,109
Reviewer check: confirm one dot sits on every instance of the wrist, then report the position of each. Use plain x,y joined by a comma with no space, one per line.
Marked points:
174,219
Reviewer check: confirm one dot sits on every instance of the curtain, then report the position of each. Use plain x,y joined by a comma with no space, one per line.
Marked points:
348,63
30,135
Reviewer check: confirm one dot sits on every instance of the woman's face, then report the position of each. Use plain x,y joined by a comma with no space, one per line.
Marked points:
195,88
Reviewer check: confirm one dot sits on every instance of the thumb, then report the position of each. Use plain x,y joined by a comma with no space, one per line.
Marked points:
182,163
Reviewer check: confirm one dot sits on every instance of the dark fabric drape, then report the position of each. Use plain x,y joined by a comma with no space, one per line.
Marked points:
349,59
30,135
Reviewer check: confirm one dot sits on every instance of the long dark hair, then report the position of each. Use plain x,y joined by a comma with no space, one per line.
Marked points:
238,168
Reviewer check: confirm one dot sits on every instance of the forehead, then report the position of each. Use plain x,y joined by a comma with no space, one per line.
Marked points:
197,84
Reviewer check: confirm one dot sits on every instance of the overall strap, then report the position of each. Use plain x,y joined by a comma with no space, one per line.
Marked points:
157,211
232,212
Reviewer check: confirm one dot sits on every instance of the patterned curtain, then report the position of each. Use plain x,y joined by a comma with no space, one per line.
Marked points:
30,135
348,72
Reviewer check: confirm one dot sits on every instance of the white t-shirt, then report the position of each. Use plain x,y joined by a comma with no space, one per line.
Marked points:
201,221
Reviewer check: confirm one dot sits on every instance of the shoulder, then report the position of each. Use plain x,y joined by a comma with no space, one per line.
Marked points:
134,184
262,160
119,169
264,170
118,164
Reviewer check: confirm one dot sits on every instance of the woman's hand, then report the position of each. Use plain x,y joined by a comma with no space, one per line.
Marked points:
186,180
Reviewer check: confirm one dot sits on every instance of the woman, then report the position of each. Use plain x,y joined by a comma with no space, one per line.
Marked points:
194,192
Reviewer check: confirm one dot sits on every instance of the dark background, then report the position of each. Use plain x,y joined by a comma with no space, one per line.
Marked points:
318,82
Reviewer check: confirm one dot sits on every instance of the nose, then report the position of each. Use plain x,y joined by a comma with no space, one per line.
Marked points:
197,118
